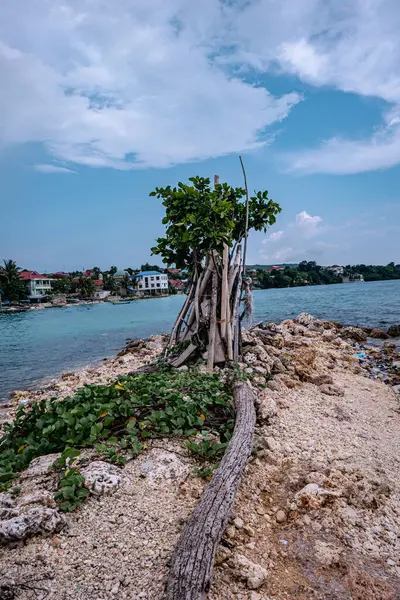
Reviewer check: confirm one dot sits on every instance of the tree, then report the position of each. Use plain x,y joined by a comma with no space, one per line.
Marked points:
147,267
204,233
113,270
85,286
61,285
95,272
11,285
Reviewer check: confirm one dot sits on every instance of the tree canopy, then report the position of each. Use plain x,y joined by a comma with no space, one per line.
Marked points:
11,285
200,218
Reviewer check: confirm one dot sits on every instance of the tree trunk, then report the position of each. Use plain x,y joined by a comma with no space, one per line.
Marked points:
192,561
213,321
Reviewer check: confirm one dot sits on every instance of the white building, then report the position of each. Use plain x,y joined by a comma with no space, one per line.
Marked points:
38,285
148,281
336,269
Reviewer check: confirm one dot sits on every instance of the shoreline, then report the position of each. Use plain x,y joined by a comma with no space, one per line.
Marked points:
326,421
138,350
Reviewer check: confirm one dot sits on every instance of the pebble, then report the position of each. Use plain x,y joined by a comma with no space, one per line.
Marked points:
238,523
280,516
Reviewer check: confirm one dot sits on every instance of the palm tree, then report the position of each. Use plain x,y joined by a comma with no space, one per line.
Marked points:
10,282
86,286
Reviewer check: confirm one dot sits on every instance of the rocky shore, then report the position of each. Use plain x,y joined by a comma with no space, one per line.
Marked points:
317,515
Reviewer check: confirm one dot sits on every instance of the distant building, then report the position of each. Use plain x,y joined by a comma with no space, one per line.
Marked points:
120,275
275,269
176,283
101,294
336,269
61,274
151,281
174,271
98,283
38,285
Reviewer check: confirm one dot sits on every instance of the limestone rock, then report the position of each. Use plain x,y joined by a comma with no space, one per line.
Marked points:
254,575
40,466
280,516
304,319
101,477
250,358
267,408
34,521
160,467
313,496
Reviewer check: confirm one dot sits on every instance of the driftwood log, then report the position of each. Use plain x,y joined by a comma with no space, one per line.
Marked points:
192,562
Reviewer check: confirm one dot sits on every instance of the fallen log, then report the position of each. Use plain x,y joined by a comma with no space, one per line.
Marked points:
192,562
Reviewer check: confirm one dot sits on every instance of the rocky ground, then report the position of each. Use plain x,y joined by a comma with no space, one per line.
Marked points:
317,514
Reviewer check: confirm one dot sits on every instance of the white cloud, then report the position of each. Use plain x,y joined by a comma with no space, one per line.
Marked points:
351,46
160,83
136,86
52,169
296,242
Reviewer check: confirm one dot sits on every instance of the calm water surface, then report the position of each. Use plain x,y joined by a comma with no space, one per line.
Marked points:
41,344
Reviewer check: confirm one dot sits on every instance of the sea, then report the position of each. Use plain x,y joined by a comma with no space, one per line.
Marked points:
38,345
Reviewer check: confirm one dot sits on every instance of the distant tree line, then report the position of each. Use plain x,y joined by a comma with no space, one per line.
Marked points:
375,272
309,273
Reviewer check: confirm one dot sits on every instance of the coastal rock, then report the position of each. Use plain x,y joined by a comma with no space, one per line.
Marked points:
304,319
378,334
355,334
101,477
254,575
394,331
34,521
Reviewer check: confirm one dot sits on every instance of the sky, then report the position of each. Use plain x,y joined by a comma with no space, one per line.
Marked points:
101,102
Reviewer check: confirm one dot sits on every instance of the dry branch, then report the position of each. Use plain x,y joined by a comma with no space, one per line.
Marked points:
192,561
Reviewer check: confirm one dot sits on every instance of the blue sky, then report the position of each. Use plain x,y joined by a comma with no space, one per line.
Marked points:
102,107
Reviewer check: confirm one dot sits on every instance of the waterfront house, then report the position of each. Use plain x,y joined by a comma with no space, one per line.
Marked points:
336,269
152,281
38,285
276,269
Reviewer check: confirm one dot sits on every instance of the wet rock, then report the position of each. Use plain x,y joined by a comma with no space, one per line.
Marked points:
379,334
353,333
394,331
254,575
101,477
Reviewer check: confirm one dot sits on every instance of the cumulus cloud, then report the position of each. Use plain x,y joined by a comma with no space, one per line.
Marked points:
52,169
350,46
297,242
160,83
132,87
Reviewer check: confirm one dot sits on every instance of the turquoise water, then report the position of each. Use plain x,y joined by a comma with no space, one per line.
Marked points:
40,344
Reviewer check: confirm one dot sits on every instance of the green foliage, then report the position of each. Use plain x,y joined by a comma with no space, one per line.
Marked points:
205,472
72,491
61,285
200,218
148,267
85,286
208,447
117,419
12,287
375,272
